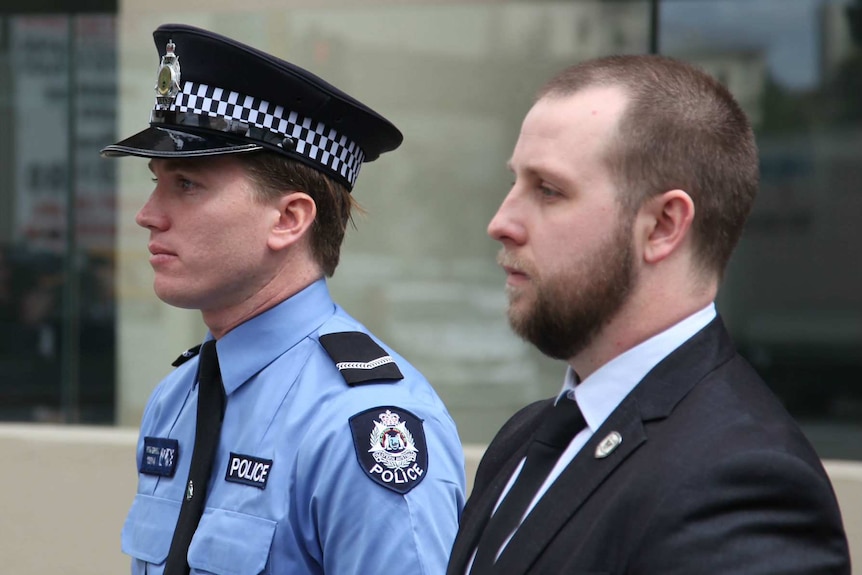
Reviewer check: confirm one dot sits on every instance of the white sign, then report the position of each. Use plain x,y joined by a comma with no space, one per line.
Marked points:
39,63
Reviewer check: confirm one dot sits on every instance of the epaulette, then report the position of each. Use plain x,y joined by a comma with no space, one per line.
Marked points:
359,359
186,355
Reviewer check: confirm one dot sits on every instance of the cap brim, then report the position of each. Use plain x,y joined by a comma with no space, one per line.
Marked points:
164,143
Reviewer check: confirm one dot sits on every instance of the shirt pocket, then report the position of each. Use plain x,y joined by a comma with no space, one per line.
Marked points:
231,543
149,528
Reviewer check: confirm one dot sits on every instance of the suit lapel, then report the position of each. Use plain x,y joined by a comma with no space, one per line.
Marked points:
652,399
476,515
499,462
574,486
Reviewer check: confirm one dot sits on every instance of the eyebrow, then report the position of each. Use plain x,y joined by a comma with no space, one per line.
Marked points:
541,171
170,164
530,170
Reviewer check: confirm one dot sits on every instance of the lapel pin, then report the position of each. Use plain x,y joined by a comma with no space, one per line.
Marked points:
607,445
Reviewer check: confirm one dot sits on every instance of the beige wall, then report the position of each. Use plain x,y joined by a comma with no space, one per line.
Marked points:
65,494
66,491
847,479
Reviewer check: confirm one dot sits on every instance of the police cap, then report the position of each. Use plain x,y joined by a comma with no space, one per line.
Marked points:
215,95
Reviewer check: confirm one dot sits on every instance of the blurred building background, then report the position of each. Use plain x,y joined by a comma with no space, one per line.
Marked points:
83,340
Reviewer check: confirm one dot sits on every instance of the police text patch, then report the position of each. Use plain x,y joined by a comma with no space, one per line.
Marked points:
160,456
248,470
390,446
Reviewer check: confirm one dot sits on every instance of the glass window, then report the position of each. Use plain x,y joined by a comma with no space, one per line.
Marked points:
793,293
57,241
83,342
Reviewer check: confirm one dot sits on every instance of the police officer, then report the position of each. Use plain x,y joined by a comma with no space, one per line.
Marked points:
321,450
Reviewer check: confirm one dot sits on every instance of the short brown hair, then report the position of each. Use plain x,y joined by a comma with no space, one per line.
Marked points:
681,130
274,175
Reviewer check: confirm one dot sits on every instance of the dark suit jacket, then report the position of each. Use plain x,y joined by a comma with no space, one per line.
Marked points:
712,476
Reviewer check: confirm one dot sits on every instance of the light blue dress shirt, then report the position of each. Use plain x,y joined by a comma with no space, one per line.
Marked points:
309,508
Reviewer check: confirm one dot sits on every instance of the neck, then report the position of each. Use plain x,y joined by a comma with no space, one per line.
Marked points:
279,288
646,313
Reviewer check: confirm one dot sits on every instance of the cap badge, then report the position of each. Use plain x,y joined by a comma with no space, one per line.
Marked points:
168,80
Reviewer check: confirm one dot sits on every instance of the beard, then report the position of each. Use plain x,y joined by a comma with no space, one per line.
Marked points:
572,308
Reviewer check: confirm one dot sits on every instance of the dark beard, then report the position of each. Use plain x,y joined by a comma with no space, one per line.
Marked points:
565,319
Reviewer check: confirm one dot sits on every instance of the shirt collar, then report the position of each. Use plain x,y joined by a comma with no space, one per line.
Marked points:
600,393
251,346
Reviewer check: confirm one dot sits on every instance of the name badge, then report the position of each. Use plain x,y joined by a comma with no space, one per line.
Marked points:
160,456
248,470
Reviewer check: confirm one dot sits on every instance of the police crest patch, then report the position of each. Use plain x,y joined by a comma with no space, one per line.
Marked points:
390,446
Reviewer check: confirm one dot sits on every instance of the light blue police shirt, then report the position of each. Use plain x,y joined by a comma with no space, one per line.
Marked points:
288,494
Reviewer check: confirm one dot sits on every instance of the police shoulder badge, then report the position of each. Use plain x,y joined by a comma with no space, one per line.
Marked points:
186,355
359,359
390,446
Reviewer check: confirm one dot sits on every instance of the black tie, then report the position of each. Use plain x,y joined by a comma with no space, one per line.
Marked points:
211,402
563,422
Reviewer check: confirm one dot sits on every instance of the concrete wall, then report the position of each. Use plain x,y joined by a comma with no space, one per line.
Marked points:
65,493
847,479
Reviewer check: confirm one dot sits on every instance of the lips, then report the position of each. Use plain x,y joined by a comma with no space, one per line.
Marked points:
160,255
510,270
158,250
513,268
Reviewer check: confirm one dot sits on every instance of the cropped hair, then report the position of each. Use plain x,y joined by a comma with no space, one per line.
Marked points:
274,175
681,129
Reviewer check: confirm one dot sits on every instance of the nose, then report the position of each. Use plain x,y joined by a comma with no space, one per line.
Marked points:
505,226
151,216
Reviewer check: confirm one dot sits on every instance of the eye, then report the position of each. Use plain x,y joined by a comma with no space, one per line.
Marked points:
184,185
548,192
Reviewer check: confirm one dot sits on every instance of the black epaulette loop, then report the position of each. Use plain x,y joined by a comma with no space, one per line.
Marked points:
359,359
186,355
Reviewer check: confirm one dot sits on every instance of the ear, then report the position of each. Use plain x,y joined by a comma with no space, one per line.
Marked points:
667,219
296,213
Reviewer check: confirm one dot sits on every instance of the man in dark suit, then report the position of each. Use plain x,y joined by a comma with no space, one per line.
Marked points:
664,453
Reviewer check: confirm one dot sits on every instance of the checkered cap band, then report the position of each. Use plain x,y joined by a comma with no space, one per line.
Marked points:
311,139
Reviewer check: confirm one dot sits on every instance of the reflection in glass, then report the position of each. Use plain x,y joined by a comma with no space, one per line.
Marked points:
57,318
793,293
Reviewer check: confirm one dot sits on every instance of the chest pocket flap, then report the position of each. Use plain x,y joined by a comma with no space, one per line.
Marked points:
230,543
149,528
